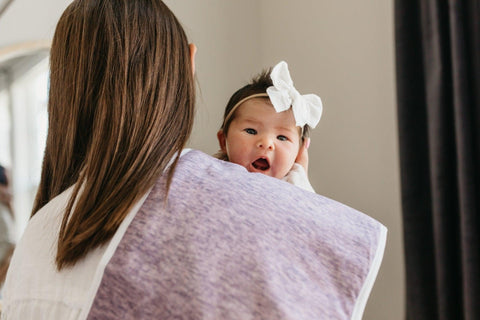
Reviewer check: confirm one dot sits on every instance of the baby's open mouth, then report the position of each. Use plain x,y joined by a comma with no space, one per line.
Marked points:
261,164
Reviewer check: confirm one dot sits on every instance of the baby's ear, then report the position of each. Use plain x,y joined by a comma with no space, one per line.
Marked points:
221,140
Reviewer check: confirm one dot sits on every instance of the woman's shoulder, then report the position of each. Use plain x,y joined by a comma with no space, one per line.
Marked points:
58,203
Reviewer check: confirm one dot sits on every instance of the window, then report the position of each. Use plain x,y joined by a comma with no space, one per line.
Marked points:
24,121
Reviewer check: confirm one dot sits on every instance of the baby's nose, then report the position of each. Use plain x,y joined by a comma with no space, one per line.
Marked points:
265,143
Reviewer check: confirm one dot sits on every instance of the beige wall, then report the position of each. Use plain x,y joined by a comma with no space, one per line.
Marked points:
344,52
30,20
228,40
341,50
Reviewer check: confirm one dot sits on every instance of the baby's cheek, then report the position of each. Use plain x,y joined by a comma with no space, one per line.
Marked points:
233,157
238,156
285,167
293,154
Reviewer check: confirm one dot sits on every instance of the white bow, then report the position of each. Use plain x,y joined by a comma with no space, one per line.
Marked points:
307,109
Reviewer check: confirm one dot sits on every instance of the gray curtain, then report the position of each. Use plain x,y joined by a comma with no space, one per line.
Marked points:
438,92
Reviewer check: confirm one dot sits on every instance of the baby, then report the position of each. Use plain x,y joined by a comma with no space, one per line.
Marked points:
266,125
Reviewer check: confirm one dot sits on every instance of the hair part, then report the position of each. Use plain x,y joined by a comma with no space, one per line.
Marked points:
121,106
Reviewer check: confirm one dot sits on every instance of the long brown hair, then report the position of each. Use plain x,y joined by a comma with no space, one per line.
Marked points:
121,105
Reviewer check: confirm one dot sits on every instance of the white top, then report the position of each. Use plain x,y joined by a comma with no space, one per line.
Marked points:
64,295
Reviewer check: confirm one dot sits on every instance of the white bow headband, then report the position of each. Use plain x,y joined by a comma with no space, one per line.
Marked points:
307,109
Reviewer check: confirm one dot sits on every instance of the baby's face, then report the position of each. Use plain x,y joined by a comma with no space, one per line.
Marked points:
262,140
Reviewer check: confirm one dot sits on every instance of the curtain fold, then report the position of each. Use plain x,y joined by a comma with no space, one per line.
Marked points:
437,67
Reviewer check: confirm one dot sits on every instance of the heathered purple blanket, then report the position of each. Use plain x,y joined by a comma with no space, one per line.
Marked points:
230,244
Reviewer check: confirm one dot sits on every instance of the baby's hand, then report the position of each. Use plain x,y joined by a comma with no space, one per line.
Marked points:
302,157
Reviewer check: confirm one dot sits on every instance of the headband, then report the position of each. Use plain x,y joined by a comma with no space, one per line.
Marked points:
256,95
307,109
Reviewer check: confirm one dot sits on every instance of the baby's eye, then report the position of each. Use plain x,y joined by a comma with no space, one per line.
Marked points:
282,138
250,131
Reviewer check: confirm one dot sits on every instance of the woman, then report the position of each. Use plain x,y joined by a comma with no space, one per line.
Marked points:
121,106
